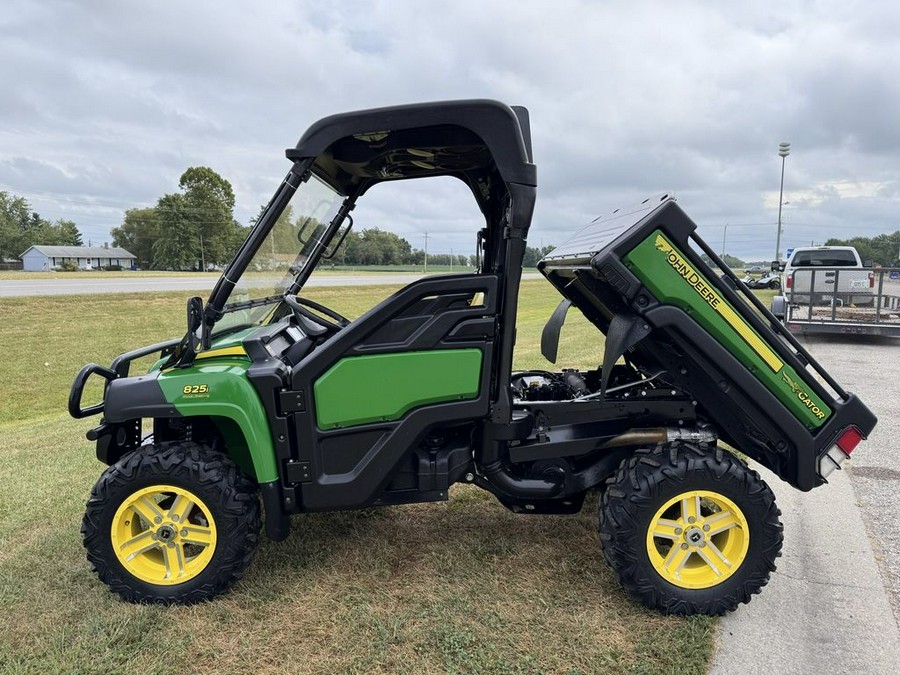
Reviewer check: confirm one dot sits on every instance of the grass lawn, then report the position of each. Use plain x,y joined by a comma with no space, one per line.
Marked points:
462,586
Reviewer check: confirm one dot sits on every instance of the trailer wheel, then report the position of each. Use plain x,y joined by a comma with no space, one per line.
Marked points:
689,530
171,523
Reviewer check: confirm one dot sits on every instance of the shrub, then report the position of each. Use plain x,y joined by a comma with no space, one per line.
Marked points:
68,266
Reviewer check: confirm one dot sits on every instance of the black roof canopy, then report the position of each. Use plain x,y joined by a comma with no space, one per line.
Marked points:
475,140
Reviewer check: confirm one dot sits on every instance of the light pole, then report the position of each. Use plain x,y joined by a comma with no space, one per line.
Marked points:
784,149
724,234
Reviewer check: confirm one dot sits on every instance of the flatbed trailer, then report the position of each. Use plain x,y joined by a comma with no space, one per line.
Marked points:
832,314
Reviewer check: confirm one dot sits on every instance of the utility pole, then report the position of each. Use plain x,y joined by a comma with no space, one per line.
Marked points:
425,269
202,256
724,234
451,261
784,149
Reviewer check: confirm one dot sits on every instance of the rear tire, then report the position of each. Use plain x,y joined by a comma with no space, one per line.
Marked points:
689,530
171,523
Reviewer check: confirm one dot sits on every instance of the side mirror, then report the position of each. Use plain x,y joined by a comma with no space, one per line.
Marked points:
775,266
195,323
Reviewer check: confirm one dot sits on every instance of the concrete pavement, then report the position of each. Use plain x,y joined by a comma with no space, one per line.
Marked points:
870,367
72,285
825,610
119,284
831,606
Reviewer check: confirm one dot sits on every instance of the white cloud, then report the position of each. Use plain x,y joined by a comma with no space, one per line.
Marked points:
106,103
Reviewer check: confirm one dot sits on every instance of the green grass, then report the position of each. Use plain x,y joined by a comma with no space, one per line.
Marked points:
462,586
20,275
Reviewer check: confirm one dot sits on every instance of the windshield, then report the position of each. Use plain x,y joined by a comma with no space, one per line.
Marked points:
282,255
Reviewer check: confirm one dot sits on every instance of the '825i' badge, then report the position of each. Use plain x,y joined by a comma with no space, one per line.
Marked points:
196,390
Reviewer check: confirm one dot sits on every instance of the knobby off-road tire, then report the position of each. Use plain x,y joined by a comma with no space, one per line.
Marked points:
676,565
171,523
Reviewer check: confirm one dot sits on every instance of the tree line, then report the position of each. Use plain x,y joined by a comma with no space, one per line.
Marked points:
730,260
21,228
193,229
882,249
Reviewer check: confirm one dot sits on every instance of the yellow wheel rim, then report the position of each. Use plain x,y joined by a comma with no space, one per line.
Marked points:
698,539
163,535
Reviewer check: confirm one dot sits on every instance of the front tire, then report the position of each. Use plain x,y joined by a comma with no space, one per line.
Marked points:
171,523
689,530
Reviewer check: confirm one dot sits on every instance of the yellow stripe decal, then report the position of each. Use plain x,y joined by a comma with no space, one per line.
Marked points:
714,300
225,351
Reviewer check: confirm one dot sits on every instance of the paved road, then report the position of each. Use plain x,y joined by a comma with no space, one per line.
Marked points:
76,286
833,605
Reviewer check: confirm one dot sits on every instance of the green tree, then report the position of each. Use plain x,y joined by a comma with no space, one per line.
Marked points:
20,228
15,217
209,206
730,260
373,246
196,227
882,249
66,233
138,233
178,246
533,255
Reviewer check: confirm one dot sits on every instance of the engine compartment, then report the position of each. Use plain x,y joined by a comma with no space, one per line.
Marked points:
572,384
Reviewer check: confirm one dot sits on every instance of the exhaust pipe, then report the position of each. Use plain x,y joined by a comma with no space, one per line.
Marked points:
499,477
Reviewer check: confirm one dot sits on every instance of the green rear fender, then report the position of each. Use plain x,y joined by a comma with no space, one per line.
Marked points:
221,391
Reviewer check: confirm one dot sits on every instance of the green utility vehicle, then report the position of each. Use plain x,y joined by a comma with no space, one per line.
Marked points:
272,400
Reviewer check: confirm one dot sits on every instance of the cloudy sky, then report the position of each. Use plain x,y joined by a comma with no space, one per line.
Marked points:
105,103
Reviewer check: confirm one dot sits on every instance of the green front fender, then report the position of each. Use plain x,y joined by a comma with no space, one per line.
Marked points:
221,391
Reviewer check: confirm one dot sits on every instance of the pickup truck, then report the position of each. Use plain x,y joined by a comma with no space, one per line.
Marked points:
827,289
820,274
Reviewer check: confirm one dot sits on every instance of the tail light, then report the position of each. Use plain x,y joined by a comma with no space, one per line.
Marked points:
871,280
790,281
840,451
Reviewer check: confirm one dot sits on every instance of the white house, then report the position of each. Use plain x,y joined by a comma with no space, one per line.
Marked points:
46,258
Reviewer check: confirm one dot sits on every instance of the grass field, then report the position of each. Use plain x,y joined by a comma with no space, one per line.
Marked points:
462,586
93,274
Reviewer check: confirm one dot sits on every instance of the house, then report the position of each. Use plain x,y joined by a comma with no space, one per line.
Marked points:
46,258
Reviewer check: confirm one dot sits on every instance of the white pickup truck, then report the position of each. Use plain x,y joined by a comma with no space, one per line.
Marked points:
827,275
826,289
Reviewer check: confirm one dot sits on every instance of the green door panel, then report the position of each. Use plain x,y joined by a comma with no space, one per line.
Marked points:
663,269
384,387
220,388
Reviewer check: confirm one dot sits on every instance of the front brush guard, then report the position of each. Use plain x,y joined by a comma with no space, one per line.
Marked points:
75,409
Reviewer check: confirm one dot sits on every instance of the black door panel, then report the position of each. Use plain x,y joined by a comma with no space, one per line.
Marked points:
351,467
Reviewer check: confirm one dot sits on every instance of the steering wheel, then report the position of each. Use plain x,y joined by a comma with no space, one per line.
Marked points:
300,305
